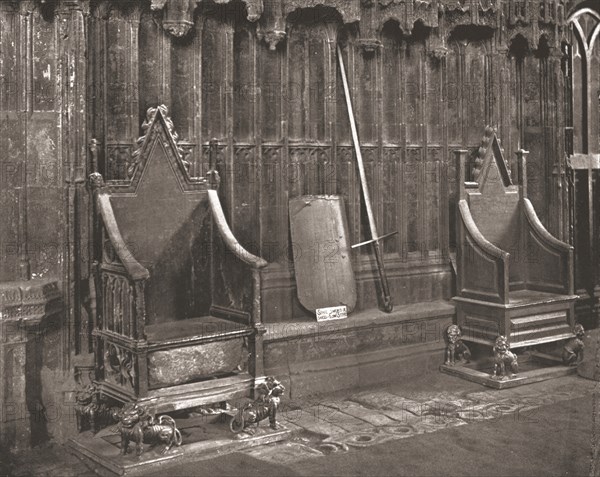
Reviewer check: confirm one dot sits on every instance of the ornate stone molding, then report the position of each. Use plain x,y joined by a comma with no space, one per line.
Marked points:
369,45
178,15
273,38
349,10
407,13
27,302
177,28
536,16
438,52
70,5
157,4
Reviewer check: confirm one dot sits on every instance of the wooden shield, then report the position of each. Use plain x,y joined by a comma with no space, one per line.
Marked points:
322,261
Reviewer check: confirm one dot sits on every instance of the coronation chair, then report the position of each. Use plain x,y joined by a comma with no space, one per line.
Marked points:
178,317
513,277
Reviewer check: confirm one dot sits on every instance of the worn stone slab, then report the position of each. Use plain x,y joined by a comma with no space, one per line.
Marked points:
370,416
428,424
366,438
344,420
401,417
485,396
444,407
312,419
382,400
284,453
291,425
400,431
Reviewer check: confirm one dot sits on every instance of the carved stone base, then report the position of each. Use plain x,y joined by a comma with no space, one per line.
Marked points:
204,436
533,367
28,310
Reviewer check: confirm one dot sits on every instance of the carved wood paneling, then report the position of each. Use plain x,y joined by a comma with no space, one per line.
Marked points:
153,64
245,209
244,85
215,38
121,72
275,104
413,203
349,188
392,186
273,206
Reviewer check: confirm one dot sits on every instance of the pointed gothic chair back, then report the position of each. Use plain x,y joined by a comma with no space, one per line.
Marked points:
162,323
513,276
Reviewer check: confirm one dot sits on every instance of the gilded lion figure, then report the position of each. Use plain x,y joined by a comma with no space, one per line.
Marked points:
264,406
504,360
573,349
90,411
455,346
140,427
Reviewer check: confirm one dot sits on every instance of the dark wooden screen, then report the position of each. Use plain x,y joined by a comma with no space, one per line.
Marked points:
282,128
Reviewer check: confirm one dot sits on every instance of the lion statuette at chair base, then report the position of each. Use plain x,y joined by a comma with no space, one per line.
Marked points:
140,427
455,346
265,405
573,351
90,411
505,361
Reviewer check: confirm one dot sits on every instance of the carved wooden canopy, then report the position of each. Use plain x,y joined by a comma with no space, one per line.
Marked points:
271,16
529,18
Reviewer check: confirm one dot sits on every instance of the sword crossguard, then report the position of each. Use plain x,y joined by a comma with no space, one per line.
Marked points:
373,240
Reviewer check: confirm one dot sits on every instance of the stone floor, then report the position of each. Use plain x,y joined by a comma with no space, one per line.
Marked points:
347,421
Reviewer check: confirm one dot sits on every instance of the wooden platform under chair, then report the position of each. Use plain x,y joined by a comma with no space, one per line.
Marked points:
533,367
204,437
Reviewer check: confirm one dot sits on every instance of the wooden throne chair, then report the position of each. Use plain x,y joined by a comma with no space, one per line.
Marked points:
178,317
513,277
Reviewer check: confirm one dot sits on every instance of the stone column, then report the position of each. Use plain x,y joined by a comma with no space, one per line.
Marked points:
71,16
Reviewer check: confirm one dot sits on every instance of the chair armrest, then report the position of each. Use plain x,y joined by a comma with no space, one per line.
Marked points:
542,234
550,260
230,241
482,266
135,270
487,247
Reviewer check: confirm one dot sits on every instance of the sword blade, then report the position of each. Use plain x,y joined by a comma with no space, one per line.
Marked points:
387,301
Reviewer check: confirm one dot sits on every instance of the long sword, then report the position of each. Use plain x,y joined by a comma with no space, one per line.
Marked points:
375,238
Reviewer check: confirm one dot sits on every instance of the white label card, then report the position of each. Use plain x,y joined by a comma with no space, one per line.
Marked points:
332,313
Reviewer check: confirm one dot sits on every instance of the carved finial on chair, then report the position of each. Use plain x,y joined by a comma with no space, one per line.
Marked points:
150,117
212,176
96,180
485,143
